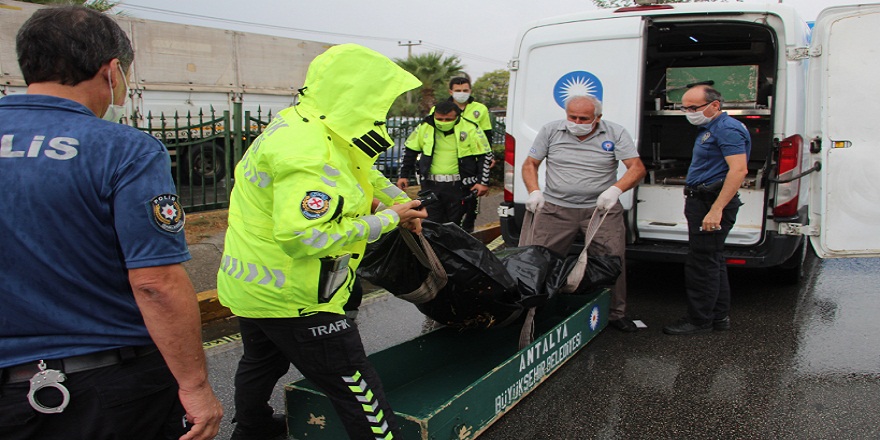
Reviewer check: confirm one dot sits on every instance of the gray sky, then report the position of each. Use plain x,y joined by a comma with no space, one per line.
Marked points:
480,32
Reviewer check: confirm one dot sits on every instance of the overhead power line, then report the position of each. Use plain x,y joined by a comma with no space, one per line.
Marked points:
248,23
459,53
464,54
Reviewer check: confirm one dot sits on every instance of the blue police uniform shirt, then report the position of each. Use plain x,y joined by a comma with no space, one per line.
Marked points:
724,136
83,201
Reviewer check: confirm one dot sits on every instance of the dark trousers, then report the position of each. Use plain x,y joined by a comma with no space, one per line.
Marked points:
471,210
136,399
449,206
326,348
706,283
556,228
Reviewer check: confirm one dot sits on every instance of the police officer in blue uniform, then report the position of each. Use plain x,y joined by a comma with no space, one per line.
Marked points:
718,167
99,328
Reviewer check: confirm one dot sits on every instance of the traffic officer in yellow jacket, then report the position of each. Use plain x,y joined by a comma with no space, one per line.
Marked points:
299,220
453,161
477,112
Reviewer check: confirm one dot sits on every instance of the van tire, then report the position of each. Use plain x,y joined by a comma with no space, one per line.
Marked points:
791,271
207,163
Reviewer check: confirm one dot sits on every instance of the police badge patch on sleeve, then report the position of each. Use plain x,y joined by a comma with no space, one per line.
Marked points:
167,213
315,204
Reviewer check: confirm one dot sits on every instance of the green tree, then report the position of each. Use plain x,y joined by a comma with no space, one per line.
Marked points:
491,88
433,70
623,3
98,5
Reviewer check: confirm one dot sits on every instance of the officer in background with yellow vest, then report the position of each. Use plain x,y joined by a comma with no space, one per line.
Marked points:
454,161
477,112
299,220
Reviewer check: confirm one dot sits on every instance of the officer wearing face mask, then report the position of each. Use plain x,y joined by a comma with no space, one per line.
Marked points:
300,217
582,153
478,113
101,334
453,161
718,168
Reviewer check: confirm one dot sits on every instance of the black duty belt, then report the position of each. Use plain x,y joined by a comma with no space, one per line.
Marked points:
75,364
703,191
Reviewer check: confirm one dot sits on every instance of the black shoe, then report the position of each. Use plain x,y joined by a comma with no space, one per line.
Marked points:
685,327
623,324
274,429
722,324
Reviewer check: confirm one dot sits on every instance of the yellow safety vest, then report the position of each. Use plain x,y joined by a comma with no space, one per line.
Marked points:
470,140
304,189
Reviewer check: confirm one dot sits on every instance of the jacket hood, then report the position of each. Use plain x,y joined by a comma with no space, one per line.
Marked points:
350,88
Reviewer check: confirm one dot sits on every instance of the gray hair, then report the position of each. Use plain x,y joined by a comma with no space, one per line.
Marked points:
597,105
710,94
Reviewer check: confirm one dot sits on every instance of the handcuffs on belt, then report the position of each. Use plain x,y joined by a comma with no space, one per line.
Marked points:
48,378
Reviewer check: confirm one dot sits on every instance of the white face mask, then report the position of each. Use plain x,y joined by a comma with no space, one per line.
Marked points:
115,112
579,129
697,118
461,97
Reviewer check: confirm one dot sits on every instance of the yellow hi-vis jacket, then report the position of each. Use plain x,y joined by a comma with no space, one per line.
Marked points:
472,150
304,189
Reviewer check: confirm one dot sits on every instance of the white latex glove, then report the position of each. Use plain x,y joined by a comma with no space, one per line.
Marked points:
608,198
535,201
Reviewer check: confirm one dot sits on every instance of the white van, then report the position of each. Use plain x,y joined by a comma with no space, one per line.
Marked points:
811,111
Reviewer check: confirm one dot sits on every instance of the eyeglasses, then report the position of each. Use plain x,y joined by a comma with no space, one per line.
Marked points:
693,108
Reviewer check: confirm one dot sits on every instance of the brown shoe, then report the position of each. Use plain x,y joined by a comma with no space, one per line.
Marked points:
623,324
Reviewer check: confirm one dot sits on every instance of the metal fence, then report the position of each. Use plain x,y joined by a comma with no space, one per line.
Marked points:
205,147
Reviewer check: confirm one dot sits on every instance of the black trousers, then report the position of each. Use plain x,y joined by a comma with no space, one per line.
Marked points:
136,399
706,283
327,349
471,210
449,207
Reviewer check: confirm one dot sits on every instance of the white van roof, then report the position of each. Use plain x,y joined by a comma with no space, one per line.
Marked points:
785,12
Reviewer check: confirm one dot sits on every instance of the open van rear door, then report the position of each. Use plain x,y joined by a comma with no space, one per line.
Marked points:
842,124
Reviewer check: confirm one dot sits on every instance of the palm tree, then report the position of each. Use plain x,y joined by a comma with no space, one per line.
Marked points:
433,70
98,5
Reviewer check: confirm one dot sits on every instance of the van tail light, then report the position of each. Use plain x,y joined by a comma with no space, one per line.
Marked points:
509,156
789,165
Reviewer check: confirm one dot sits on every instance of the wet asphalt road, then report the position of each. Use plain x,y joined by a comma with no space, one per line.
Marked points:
800,362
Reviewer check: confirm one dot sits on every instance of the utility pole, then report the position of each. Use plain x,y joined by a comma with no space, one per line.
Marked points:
409,44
